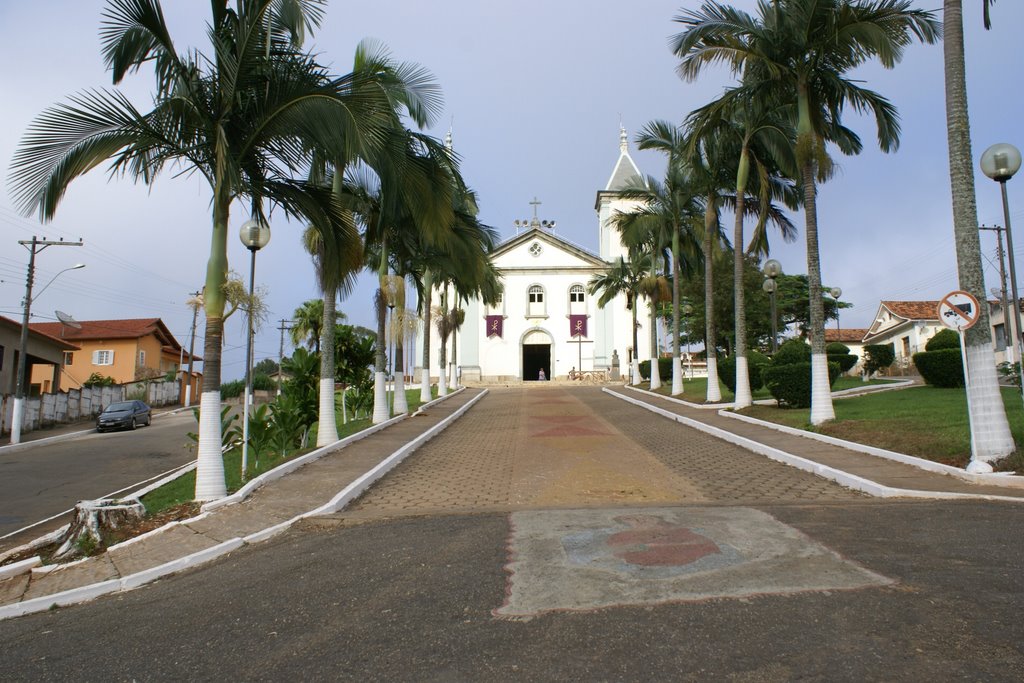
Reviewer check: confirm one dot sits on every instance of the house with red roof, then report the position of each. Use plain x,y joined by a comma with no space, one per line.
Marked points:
127,350
44,357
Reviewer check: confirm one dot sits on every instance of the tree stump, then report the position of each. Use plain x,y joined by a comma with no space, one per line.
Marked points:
92,518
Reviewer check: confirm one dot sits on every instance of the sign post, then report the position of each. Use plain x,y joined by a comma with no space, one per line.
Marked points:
959,311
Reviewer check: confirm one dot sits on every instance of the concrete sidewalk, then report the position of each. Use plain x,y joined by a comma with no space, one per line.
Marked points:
321,486
871,473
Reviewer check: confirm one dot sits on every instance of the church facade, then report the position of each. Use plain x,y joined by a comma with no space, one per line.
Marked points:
547,325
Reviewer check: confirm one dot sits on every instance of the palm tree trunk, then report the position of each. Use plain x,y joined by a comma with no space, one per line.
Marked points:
442,375
428,288
990,429
210,483
634,365
655,369
327,429
714,393
454,366
821,388
380,395
677,366
743,397
401,402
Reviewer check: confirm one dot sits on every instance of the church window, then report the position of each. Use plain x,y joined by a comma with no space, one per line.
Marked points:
535,249
535,297
576,294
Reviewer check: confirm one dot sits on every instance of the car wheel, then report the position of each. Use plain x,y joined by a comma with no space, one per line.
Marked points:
149,420
134,424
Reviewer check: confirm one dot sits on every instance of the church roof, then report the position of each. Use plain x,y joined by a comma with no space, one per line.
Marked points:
626,174
552,239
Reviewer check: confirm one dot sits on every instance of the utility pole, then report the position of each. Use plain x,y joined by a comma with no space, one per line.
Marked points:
1009,322
195,303
34,246
280,351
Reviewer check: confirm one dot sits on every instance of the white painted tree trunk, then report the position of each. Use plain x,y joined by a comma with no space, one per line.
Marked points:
380,398
634,369
821,390
210,462
743,398
655,374
17,418
677,376
425,385
92,517
714,394
455,377
327,430
991,429
401,402
442,382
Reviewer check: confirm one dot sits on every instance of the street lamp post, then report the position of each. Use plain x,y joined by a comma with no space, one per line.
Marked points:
1000,162
254,235
836,292
772,269
34,246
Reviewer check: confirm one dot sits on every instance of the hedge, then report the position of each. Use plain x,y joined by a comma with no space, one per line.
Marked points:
943,368
946,339
664,369
792,351
790,383
756,362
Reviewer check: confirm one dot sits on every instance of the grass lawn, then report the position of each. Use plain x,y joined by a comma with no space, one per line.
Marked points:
182,489
923,421
696,390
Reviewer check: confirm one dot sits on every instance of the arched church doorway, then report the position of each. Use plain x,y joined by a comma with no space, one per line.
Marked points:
536,355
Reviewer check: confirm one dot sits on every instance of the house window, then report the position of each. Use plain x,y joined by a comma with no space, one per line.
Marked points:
499,306
103,357
576,294
536,301
69,358
142,358
999,332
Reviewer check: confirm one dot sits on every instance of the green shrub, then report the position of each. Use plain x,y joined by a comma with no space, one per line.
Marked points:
756,362
664,369
261,382
232,389
790,383
840,353
942,368
792,351
946,339
878,357
98,380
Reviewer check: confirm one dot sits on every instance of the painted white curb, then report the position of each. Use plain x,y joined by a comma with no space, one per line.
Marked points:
1006,480
846,479
125,583
688,404
353,490
22,567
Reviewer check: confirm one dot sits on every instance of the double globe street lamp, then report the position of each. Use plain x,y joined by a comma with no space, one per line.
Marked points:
254,235
772,269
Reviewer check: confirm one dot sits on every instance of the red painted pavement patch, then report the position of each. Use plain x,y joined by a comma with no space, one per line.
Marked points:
569,431
593,559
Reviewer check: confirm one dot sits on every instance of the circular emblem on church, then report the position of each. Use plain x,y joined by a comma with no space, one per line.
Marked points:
535,249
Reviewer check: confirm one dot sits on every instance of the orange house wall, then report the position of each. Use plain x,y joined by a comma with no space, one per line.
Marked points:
122,370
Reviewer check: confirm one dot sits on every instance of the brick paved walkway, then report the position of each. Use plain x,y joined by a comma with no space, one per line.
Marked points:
577,447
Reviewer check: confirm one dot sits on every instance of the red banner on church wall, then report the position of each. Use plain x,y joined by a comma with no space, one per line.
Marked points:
494,325
578,325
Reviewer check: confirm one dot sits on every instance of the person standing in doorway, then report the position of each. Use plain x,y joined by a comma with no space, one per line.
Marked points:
541,376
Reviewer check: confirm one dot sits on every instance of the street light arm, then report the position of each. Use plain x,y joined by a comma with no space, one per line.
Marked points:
74,267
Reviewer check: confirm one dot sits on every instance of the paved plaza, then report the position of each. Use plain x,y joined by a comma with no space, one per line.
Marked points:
561,533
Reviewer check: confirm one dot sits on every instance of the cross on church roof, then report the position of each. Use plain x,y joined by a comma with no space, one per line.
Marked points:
535,222
535,203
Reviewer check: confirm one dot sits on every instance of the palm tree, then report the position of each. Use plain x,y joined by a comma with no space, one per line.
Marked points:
243,117
332,275
308,319
623,278
801,51
993,438
765,145
667,217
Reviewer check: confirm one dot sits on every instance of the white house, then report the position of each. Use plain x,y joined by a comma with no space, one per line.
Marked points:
908,325
547,320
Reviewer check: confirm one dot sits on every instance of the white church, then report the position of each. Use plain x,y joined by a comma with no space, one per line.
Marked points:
547,325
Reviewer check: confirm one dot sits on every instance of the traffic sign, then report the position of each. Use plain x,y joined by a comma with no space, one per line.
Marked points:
959,310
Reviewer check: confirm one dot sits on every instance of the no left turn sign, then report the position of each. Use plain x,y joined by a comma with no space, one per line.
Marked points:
959,310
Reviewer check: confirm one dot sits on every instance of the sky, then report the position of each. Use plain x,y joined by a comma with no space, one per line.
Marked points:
535,92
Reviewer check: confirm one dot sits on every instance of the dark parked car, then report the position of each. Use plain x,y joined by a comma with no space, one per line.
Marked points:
124,415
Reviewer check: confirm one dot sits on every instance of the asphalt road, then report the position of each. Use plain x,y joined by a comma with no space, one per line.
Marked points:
413,599
49,478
